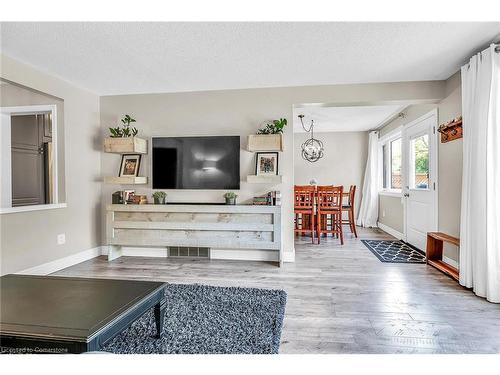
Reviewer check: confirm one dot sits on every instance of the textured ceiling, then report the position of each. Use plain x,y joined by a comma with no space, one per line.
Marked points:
123,58
344,119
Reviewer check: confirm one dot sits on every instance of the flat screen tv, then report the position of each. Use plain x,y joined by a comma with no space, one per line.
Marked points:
196,163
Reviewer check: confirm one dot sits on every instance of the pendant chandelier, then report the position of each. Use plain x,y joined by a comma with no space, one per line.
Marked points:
312,149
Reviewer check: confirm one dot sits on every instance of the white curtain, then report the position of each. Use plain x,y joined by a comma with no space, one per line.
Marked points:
480,222
368,210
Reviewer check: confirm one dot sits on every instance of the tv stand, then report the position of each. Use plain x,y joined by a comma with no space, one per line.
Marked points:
216,226
198,203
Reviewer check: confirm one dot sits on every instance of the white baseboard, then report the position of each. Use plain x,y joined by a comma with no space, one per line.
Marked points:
158,252
242,254
450,261
223,254
289,256
252,255
151,252
59,264
393,232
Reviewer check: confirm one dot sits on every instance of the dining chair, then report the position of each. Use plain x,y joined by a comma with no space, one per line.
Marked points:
329,203
349,208
304,210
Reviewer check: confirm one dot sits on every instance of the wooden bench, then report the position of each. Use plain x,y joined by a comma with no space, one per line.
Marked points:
434,252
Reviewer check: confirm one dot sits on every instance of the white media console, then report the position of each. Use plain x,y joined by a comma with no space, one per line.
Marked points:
236,227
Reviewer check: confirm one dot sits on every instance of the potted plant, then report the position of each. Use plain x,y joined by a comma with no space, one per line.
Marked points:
159,197
230,197
269,137
274,127
123,139
125,130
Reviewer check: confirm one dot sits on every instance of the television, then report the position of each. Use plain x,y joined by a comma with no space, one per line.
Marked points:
196,162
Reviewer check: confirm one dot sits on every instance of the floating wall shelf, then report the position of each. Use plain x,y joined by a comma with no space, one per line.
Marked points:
253,179
265,142
125,180
131,145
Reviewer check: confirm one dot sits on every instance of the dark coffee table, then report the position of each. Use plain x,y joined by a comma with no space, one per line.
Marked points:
44,314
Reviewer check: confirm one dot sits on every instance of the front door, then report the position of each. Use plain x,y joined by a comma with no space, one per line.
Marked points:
420,179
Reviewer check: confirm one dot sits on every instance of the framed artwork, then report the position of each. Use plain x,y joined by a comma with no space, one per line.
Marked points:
130,166
266,164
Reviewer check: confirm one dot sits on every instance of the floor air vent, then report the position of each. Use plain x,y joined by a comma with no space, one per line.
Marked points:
188,252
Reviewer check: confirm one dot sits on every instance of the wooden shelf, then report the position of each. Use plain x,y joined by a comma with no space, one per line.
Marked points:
131,145
125,180
253,179
434,252
265,142
444,267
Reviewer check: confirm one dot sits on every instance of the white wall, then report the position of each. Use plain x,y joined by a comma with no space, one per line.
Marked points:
29,239
343,163
450,167
240,112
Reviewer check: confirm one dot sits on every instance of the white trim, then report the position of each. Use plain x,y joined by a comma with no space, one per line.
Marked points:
386,141
393,232
5,161
393,134
219,254
59,264
289,256
391,193
434,177
38,207
82,256
26,110
450,261
240,254
151,252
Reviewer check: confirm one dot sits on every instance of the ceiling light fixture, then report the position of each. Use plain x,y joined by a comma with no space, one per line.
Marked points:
312,149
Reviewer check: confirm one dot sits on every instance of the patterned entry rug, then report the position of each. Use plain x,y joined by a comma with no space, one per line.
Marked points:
202,319
394,251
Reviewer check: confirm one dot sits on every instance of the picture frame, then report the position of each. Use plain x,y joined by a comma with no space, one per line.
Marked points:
266,163
128,196
130,165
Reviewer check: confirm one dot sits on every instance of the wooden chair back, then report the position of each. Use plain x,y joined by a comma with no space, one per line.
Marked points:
352,193
329,198
304,197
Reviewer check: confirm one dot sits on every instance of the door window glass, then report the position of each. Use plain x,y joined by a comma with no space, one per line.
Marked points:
419,166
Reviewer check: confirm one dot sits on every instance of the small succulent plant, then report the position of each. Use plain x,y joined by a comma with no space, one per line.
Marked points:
230,195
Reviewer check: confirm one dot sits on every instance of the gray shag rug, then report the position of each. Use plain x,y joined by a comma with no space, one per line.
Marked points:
202,319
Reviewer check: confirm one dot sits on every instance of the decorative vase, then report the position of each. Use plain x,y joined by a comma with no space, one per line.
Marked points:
159,200
231,201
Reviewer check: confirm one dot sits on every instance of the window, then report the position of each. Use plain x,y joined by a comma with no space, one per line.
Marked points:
395,171
391,163
419,163
30,173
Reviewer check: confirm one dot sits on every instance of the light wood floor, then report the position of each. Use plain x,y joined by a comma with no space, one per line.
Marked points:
341,299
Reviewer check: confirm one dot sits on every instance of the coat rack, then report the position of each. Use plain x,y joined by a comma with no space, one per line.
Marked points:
451,130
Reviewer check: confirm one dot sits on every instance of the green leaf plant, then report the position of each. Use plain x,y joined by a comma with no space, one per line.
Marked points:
126,130
275,127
